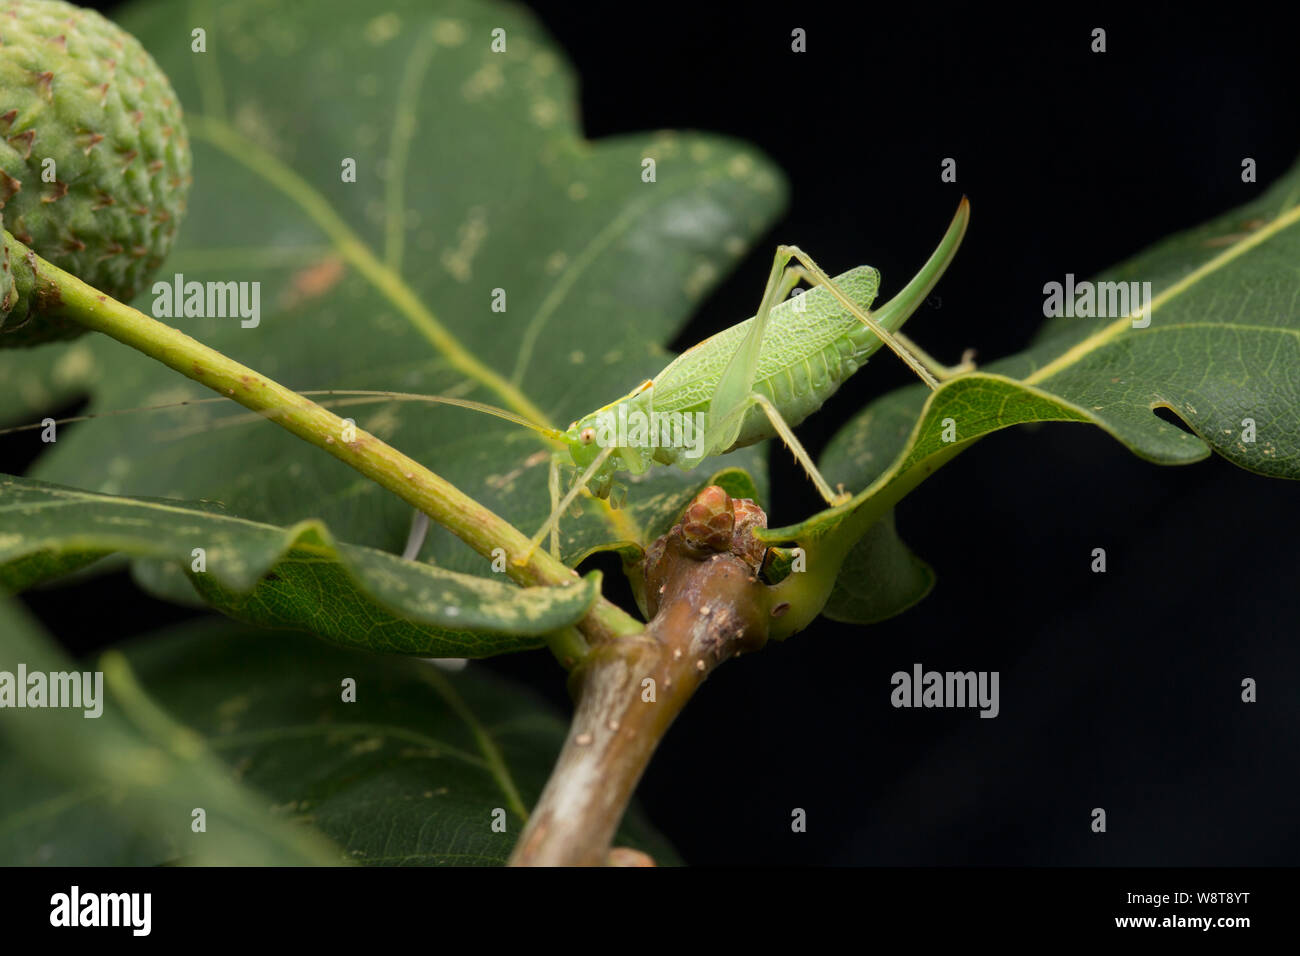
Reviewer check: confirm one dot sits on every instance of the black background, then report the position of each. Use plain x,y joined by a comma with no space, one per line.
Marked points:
1118,690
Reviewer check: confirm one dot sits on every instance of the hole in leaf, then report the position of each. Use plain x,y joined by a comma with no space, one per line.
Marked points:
1167,414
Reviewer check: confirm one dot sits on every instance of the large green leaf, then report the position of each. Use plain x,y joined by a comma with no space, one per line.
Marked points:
472,176
415,771
880,577
122,787
1222,351
296,577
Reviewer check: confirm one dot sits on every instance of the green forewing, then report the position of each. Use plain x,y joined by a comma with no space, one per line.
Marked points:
791,338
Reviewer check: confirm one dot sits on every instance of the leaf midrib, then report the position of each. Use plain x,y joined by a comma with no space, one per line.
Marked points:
483,738
392,286
1079,350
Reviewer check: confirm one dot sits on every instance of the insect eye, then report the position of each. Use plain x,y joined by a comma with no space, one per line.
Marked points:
587,436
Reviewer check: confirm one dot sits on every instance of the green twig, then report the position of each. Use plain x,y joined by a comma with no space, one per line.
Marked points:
63,295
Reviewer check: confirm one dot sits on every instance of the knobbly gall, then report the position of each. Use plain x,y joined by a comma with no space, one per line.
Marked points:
709,521
94,160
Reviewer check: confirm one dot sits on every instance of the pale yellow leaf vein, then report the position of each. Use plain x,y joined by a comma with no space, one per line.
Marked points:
1081,349
486,743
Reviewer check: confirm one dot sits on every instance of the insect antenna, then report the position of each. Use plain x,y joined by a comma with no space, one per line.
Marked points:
363,395
348,397
110,414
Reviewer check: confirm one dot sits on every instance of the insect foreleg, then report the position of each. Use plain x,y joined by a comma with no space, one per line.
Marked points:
563,506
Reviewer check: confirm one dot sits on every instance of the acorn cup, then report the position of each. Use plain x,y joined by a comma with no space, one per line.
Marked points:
95,162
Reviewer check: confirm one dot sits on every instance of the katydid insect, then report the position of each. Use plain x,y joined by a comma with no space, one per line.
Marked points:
753,381
761,377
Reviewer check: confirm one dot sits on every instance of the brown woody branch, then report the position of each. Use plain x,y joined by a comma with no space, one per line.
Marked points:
708,604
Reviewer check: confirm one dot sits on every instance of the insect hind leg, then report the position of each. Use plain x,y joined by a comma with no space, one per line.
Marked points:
915,363
787,435
941,371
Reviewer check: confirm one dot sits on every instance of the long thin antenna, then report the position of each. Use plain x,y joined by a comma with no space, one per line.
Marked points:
442,400
119,411
359,397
